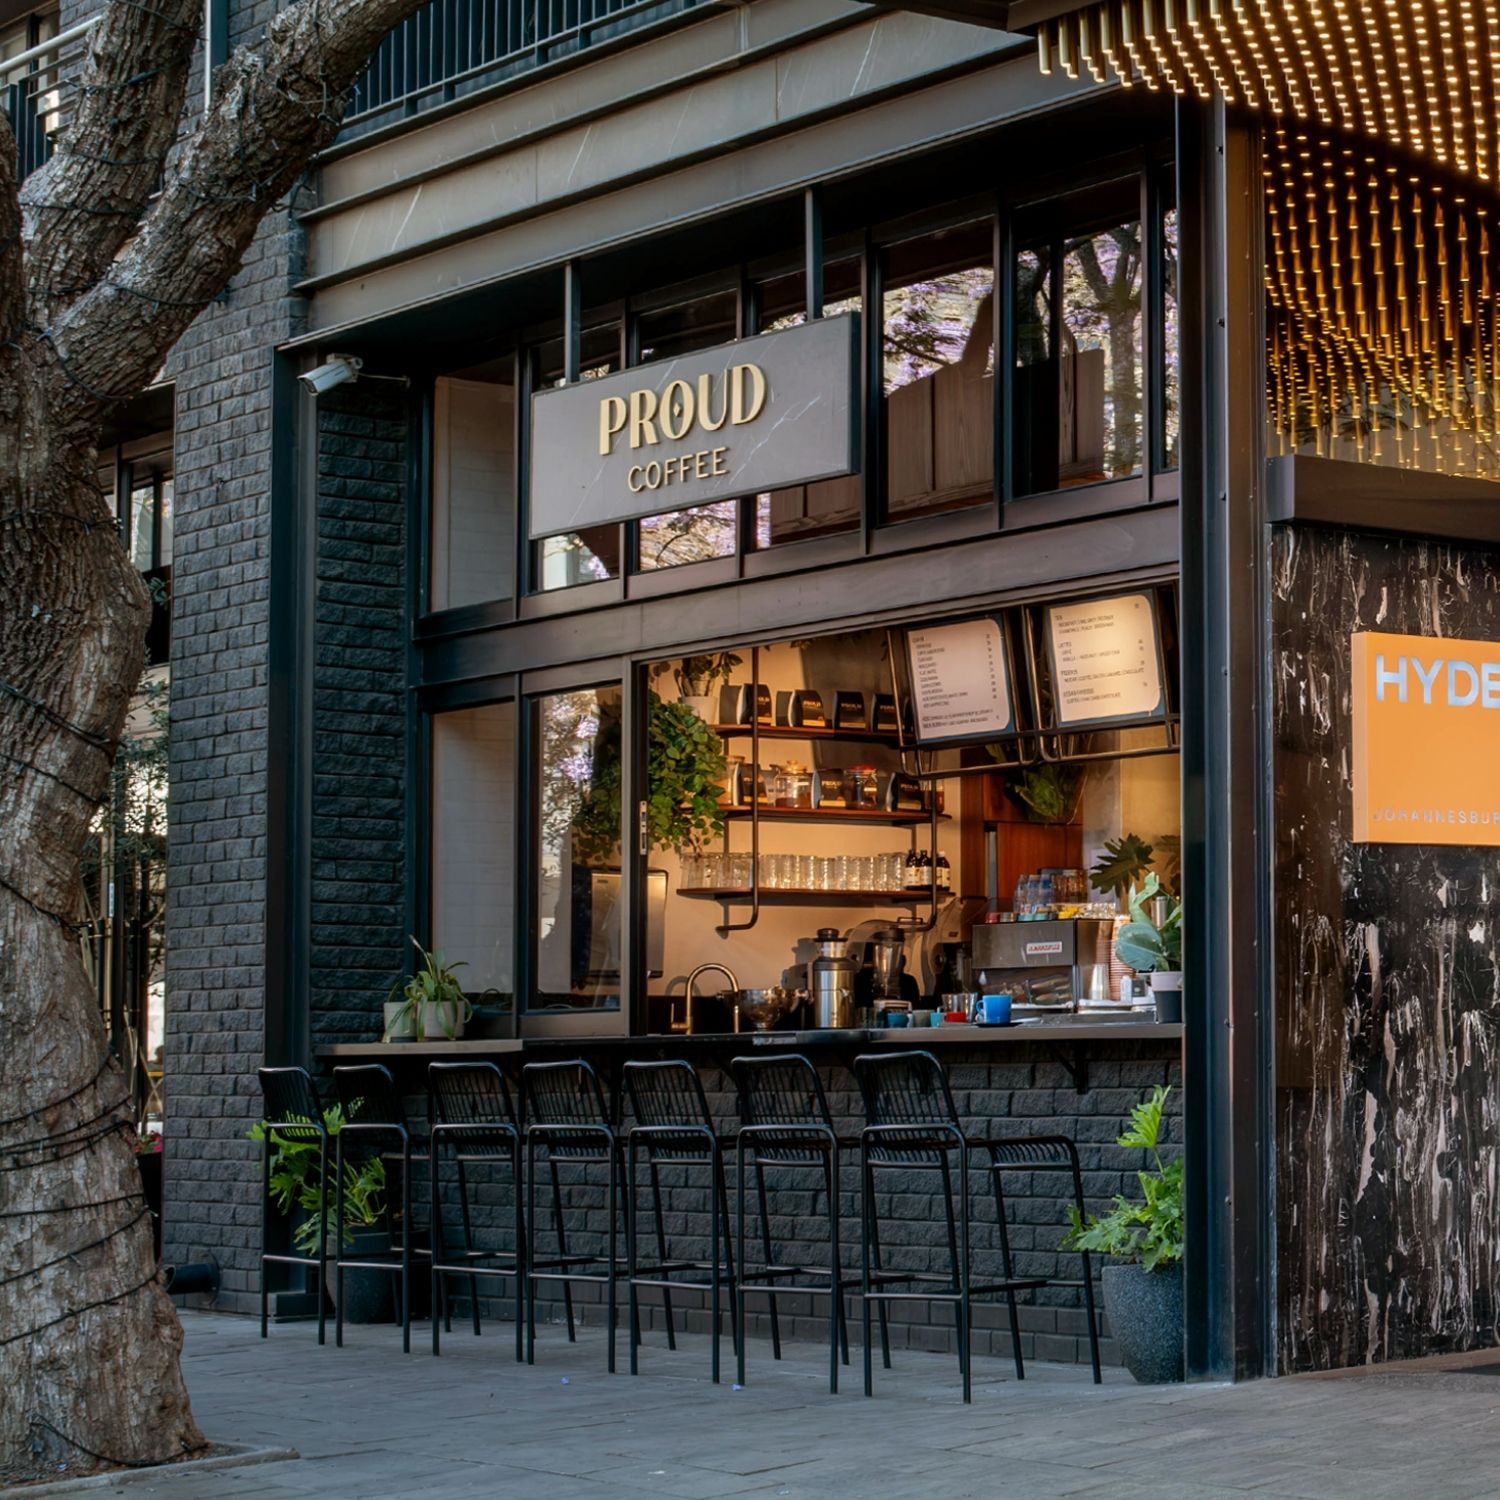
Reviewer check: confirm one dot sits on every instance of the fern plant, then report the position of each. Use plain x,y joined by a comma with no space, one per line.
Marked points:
1151,1230
295,1184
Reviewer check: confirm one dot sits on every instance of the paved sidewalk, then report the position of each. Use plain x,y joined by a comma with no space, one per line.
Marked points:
370,1423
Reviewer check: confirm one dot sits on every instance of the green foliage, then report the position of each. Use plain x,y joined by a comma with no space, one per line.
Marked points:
696,675
1169,864
1141,944
1149,1231
1123,862
685,780
1047,793
295,1184
435,984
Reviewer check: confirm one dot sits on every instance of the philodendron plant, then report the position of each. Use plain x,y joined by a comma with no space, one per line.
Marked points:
1149,1231
1144,945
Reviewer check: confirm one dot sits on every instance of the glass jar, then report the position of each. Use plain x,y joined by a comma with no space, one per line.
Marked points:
863,788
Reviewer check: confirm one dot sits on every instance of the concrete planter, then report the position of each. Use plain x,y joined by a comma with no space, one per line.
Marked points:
1145,1316
369,1296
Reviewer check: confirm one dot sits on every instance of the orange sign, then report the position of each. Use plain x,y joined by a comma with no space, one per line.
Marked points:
1426,740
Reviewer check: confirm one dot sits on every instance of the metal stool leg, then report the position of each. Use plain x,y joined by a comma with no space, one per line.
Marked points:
661,1246
952,1249
265,1234
835,1278
468,1224
722,1185
716,1316
435,1222
739,1241
322,1291
1008,1266
866,1207
406,1246
885,1311
1088,1276
338,1243
966,1322
765,1237
613,1169
632,1203
531,1252
519,1240
562,1240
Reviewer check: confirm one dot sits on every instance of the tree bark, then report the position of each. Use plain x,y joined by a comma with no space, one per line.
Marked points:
98,279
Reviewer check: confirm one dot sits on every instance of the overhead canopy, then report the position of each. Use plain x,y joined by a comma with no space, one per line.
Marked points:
1419,74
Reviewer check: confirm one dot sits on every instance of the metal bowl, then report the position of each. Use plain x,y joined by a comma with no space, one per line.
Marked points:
763,1008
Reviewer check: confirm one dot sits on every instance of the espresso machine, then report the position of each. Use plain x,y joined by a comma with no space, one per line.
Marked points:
882,984
1044,966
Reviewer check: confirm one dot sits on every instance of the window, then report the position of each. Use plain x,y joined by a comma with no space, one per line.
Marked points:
1079,403
147,521
473,845
1171,422
703,531
832,505
576,922
473,487
561,562
938,371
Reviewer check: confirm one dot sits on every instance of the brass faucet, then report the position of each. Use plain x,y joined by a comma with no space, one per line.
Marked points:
686,1023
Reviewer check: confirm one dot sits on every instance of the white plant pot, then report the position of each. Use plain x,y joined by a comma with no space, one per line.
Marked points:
442,1020
402,1030
1166,979
701,704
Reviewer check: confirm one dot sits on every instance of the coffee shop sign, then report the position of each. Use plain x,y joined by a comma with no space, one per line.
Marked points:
759,414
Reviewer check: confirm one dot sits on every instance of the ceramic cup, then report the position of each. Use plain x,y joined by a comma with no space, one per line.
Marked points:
994,1010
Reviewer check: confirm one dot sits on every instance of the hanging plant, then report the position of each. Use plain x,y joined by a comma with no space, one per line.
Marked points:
1046,793
685,770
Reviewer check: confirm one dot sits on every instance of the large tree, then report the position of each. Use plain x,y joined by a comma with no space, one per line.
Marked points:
107,254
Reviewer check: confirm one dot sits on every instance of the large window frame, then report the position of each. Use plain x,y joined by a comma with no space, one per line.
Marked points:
1150,165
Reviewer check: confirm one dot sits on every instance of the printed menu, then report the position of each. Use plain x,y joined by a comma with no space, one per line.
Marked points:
1105,663
959,683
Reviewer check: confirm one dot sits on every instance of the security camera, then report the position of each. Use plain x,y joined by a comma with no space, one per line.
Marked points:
336,370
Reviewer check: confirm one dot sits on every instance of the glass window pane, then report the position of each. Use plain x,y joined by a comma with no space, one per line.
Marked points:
703,531
1171,375
938,320
473,846
473,489
577,920
560,562
1079,360
143,524
164,505
832,505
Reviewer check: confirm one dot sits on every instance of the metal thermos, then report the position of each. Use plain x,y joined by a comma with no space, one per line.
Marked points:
831,981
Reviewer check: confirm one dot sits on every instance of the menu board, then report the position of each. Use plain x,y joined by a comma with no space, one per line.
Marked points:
1106,665
960,687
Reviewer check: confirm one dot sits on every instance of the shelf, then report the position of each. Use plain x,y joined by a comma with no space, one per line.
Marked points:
808,732
812,898
833,815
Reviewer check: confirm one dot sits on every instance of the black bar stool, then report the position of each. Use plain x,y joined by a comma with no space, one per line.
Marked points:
912,1124
568,1121
293,1117
373,1121
785,1124
474,1119
673,1126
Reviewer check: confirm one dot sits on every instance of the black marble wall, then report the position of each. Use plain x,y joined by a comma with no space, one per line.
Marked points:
1388,990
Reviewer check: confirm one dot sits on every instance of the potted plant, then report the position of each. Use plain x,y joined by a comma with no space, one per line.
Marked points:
685,770
1124,861
697,678
295,1187
431,1004
1151,943
1047,793
1143,1292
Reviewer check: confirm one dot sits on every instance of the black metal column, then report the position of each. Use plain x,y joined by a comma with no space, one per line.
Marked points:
1226,829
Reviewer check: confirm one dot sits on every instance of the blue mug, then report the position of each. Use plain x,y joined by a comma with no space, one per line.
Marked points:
994,1010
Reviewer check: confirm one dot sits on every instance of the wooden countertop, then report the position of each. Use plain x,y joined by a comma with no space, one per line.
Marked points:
1071,1030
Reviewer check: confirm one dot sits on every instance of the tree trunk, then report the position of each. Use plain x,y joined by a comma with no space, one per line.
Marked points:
89,1343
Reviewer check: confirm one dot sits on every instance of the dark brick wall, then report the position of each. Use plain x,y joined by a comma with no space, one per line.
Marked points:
1025,1091
359,713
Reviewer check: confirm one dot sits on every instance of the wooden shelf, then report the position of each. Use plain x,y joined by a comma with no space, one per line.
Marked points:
808,732
834,815
780,897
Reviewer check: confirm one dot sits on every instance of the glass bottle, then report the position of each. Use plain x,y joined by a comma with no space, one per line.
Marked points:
944,872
